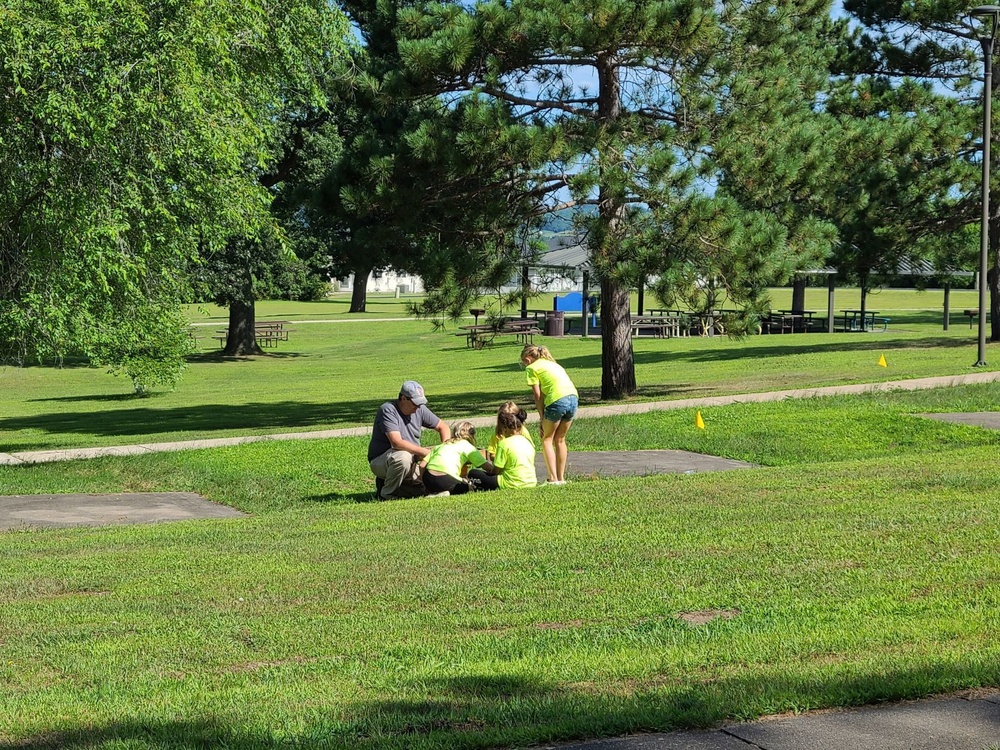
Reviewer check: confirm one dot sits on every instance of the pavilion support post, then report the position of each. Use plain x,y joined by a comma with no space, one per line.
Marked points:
947,305
525,284
586,295
830,286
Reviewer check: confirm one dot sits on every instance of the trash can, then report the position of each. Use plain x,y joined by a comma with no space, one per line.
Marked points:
554,322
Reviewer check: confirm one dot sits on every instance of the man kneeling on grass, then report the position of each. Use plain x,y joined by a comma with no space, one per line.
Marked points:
394,452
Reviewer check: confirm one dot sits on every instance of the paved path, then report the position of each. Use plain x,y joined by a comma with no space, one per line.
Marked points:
969,721
33,457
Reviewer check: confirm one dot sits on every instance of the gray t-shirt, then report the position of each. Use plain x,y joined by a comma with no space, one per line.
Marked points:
390,419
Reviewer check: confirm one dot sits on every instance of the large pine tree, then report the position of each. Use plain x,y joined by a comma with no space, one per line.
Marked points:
630,102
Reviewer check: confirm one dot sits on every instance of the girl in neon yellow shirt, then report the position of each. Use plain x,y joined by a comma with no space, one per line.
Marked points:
556,399
443,466
513,467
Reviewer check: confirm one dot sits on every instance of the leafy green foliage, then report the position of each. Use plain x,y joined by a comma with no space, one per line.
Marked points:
133,135
906,78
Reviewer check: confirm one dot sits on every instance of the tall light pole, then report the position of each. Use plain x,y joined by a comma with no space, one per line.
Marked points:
990,16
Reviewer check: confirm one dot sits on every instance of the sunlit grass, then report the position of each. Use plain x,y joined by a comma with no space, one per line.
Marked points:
335,374
859,566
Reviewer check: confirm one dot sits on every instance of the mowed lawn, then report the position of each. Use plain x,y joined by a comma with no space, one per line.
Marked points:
858,563
336,369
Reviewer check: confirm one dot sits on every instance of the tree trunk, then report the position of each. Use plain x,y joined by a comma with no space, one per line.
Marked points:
359,295
241,339
617,361
799,293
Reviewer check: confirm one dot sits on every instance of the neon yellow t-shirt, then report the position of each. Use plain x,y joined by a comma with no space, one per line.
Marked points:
450,457
491,449
552,379
516,456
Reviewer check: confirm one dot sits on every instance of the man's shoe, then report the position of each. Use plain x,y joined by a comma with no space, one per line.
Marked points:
446,493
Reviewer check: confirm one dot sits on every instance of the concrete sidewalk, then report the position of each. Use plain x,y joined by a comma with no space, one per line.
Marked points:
35,457
965,721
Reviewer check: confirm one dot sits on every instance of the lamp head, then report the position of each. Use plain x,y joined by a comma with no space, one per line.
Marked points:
990,14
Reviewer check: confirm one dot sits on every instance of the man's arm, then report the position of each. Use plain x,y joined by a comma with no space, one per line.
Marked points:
399,443
443,430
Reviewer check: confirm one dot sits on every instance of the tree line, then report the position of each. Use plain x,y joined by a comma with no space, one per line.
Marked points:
160,151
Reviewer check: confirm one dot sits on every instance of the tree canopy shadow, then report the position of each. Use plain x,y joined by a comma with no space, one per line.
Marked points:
251,418
497,710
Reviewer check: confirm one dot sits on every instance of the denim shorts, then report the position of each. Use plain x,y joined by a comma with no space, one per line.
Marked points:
562,410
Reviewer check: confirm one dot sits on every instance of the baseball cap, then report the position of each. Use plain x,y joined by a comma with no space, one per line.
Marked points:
413,391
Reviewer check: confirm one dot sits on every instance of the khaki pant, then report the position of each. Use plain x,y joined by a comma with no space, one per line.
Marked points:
401,472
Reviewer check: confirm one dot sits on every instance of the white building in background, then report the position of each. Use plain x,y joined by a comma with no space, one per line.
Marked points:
386,280
560,269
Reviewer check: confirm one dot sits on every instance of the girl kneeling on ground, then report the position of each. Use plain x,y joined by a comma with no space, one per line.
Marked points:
513,466
444,466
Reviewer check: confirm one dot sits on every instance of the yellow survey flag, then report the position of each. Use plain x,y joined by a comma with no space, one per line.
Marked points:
882,362
698,421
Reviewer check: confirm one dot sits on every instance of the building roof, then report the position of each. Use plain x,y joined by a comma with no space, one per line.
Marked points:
915,267
564,251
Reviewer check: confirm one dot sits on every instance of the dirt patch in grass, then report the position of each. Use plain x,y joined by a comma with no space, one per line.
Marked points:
705,616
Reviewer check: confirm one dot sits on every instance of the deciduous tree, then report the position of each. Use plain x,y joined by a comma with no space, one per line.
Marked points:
133,132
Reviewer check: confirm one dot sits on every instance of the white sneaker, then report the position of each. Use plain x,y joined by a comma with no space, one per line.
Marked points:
439,494
555,483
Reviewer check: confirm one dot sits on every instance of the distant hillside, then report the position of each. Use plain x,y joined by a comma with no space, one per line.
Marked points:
561,221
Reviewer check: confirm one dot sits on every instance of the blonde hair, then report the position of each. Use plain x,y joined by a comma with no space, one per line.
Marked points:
510,417
533,352
462,431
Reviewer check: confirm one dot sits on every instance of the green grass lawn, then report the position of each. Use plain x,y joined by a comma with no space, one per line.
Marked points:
859,566
335,372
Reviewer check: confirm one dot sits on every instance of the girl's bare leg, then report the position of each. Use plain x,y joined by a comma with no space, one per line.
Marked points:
560,449
548,449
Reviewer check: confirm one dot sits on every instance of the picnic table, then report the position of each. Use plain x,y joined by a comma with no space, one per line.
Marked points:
801,319
709,322
658,326
268,333
854,320
477,336
788,321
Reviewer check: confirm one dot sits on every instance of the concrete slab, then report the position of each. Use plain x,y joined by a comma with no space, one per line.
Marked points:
596,464
700,740
48,511
967,722
953,723
988,419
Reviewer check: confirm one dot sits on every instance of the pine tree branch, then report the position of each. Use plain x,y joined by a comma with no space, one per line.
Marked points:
539,105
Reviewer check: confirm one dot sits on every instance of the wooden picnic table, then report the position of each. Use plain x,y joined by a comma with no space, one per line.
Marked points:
478,336
854,321
268,333
801,319
710,321
659,326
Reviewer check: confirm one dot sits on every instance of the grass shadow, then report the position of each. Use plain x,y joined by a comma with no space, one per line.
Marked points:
498,710
255,418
